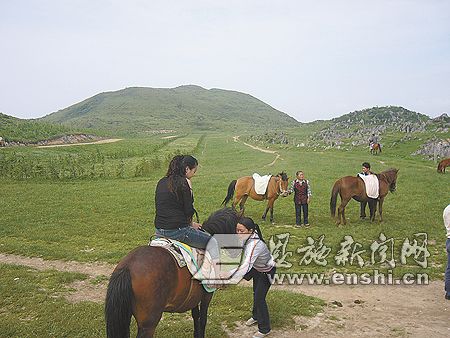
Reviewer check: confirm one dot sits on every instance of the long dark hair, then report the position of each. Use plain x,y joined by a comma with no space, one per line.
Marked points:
176,173
251,225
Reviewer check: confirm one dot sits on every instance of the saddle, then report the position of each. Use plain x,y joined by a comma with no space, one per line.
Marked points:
197,261
372,185
261,183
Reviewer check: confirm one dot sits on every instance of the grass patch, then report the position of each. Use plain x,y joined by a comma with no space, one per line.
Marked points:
32,305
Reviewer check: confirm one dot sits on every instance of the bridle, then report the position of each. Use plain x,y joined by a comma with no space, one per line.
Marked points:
280,190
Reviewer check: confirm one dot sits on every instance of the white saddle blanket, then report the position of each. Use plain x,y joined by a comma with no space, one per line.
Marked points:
197,261
372,185
261,183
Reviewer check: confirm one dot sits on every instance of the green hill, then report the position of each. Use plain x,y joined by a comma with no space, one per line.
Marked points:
14,129
185,107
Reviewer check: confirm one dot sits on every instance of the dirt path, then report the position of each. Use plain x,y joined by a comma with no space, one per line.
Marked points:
110,140
92,289
418,311
366,310
277,157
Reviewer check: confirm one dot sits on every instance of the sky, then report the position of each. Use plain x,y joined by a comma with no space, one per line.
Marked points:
310,59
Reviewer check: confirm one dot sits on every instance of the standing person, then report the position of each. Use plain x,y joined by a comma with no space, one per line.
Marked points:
446,216
366,169
302,196
174,204
257,264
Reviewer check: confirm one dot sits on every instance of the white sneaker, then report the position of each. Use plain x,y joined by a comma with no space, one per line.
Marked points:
251,321
260,335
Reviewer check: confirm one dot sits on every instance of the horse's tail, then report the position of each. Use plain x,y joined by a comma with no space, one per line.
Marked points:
379,147
334,193
119,298
230,193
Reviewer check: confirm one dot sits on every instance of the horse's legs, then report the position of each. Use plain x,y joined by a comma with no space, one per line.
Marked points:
196,317
270,205
381,209
146,329
362,214
265,212
204,304
341,211
338,221
243,200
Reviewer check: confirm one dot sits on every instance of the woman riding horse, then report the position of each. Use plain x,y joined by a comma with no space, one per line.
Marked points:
148,282
174,204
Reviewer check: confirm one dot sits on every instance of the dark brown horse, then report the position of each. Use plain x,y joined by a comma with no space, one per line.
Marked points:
376,147
245,187
349,187
148,282
442,165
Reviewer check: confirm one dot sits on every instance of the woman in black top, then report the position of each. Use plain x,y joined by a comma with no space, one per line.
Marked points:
174,202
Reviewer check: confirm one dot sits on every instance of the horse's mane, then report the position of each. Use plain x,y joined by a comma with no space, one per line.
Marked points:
283,175
389,174
222,221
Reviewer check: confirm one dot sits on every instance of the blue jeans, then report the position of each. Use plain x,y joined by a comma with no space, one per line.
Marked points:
298,213
447,272
192,237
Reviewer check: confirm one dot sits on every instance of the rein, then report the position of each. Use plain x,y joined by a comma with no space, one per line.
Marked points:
280,190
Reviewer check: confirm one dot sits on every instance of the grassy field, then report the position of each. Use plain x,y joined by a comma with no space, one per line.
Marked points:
106,209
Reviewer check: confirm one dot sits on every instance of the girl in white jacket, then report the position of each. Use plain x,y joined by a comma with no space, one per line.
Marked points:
258,264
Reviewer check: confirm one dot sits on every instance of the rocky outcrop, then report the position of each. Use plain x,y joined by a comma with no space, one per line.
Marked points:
355,128
435,149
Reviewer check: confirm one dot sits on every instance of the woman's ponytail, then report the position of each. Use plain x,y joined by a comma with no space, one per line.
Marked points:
176,173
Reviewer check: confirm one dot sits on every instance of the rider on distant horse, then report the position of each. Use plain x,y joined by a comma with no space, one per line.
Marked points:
373,140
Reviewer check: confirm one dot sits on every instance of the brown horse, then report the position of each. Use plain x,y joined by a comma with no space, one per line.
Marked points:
148,282
442,165
376,147
245,187
349,187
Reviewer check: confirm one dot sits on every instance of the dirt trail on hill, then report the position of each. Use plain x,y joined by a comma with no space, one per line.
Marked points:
110,140
359,310
277,157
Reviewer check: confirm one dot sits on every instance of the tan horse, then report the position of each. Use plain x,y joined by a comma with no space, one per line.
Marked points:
376,147
349,187
442,165
245,187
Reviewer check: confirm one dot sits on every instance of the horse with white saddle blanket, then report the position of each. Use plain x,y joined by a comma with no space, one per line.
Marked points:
349,187
259,188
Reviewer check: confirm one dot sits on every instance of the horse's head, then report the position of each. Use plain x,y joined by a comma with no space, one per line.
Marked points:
222,221
283,184
391,177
